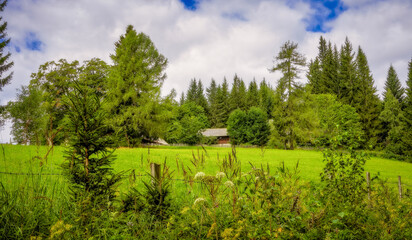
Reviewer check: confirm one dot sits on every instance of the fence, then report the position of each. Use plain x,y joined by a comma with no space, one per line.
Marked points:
155,171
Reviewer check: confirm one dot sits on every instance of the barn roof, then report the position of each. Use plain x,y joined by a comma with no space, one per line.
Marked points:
215,132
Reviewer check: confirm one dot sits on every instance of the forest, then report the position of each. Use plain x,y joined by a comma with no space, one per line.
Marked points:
336,100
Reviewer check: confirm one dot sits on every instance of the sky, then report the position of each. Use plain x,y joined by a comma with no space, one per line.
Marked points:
205,39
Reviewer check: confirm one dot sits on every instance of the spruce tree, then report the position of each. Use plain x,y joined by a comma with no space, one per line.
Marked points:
313,76
252,96
347,74
367,101
237,94
200,97
393,121
408,112
88,158
393,85
5,63
192,92
266,98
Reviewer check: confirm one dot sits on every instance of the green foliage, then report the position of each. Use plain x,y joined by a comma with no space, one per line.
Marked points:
28,116
393,85
393,120
189,120
339,123
289,62
249,127
5,62
88,158
133,89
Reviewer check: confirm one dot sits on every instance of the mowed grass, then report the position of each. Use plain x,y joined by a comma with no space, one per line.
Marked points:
30,159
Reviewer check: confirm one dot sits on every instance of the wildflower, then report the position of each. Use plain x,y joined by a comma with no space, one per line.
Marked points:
256,179
229,184
199,200
220,175
200,175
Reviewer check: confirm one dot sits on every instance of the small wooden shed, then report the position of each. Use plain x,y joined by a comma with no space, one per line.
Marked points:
219,133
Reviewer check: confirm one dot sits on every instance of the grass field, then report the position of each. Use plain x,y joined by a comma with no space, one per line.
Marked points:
28,159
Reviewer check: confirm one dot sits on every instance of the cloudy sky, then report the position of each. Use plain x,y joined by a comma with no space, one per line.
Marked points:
206,39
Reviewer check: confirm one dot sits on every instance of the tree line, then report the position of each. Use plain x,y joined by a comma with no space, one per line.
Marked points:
339,101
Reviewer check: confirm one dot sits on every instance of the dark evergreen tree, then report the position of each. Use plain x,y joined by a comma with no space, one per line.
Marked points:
393,85
393,121
192,92
200,97
88,158
266,98
408,113
252,97
314,76
350,86
367,101
182,99
5,62
237,94
212,98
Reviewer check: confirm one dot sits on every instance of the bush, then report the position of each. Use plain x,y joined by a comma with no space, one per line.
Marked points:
250,127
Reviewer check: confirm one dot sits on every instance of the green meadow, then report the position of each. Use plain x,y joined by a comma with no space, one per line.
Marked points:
31,159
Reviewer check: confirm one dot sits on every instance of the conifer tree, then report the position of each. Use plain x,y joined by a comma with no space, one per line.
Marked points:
289,62
393,85
5,63
88,157
367,101
182,99
393,121
192,92
266,98
408,112
252,96
237,94
200,97
347,75
134,88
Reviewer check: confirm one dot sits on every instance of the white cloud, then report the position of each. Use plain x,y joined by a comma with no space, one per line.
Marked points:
219,39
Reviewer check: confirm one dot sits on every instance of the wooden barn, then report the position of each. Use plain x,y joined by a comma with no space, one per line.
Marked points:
219,133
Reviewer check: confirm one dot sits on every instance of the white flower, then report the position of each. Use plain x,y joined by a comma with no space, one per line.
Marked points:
229,184
256,179
199,200
200,175
220,175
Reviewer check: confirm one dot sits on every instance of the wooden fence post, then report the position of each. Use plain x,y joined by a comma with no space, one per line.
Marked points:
155,172
400,187
368,183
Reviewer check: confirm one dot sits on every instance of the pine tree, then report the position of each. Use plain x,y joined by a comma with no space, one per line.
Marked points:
88,158
134,88
393,121
266,98
347,75
408,113
182,99
289,62
313,76
367,101
237,94
191,94
5,63
252,96
393,85
200,97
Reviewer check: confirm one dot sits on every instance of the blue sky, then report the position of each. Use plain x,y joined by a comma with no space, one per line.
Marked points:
324,11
